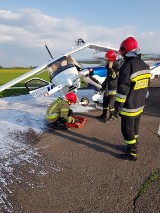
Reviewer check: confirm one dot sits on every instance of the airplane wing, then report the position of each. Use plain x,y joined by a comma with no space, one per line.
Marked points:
102,48
95,60
97,47
22,77
26,75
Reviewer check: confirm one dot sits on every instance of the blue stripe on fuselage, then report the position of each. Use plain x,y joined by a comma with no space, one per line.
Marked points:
100,71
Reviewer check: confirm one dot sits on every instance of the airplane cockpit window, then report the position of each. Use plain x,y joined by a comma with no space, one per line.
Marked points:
59,66
64,63
54,67
35,84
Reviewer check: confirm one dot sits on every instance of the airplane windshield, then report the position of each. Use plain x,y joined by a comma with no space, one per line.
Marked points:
60,65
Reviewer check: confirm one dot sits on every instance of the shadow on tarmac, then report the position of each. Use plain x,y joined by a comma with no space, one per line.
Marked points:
93,143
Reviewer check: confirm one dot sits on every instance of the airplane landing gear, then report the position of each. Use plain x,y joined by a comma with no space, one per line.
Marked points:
84,101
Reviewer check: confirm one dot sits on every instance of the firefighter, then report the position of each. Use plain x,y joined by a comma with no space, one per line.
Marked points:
109,86
59,112
133,84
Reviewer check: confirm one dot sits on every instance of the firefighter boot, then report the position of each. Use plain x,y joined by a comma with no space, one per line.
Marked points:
60,124
131,153
103,115
111,117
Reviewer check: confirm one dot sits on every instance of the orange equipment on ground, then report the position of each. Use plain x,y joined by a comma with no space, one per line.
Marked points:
79,122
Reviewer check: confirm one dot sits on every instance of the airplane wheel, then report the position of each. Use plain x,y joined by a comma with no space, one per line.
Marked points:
84,101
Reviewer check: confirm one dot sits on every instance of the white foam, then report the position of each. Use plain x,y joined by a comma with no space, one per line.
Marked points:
19,115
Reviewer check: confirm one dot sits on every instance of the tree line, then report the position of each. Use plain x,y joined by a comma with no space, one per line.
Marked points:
30,67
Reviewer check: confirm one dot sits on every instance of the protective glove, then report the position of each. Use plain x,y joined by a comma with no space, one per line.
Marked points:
103,85
73,120
118,106
70,113
101,90
116,114
76,120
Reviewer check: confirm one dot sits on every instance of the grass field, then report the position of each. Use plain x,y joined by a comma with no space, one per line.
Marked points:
8,74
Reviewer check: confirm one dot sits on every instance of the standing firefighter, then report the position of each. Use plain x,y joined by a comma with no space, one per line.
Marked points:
59,112
109,86
133,83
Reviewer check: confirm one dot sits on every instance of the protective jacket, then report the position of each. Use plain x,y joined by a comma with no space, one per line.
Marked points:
59,108
110,83
133,83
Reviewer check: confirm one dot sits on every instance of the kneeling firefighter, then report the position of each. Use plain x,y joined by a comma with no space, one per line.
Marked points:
109,86
59,112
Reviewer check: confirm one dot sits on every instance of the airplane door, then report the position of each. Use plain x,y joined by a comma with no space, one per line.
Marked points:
37,87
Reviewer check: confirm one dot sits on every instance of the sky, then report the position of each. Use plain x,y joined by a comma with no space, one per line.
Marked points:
26,115
27,25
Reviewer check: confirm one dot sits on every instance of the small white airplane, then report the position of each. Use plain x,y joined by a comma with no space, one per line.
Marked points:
155,70
65,74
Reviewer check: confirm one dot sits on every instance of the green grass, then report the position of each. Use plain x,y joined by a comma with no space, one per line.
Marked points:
146,185
152,177
8,74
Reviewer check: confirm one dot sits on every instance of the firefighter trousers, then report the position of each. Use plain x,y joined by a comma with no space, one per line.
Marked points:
130,128
108,101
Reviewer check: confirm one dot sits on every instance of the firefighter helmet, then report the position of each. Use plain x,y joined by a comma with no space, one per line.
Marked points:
111,55
127,45
71,97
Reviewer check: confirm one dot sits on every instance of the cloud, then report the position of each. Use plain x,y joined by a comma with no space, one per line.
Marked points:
8,15
24,33
149,41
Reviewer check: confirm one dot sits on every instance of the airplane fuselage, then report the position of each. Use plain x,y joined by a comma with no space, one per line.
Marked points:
66,78
155,70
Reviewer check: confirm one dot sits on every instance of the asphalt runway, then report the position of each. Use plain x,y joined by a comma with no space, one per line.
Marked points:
89,176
